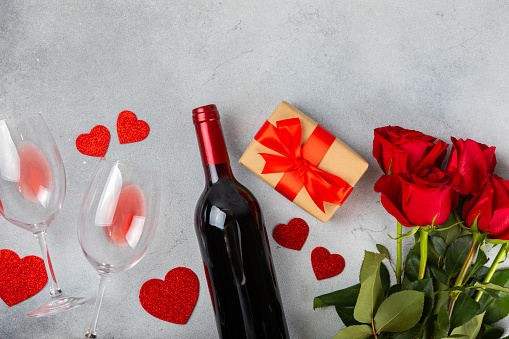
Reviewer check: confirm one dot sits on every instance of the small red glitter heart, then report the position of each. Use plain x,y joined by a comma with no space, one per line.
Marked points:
130,129
94,143
20,279
326,265
293,235
173,299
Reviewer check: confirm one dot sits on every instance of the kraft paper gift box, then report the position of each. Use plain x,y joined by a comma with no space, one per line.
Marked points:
317,175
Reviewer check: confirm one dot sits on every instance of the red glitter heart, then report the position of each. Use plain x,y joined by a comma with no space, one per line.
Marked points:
293,235
20,279
130,129
94,143
326,265
173,299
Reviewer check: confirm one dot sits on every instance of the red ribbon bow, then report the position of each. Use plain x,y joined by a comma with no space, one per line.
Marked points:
300,162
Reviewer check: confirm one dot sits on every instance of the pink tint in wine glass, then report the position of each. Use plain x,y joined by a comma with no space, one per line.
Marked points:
32,190
118,221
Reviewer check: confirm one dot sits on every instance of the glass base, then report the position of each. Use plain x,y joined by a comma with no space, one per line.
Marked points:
90,335
56,304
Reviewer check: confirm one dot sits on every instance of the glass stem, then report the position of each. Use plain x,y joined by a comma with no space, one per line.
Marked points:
54,290
398,254
103,282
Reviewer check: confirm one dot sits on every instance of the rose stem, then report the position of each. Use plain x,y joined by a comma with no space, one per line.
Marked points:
398,258
476,241
501,254
424,252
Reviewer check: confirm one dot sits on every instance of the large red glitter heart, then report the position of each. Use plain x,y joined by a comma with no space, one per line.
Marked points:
94,143
20,279
293,235
326,265
173,299
130,129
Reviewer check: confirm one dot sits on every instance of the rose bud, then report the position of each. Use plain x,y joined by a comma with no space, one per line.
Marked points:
397,149
491,208
474,162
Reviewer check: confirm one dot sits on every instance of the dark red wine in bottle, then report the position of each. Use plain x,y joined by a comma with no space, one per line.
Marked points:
234,245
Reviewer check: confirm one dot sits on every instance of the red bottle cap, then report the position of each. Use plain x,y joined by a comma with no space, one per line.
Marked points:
210,135
205,113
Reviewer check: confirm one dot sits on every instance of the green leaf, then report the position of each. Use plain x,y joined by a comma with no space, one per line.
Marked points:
440,275
385,277
491,286
399,312
344,297
464,310
354,332
452,233
481,272
346,315
428,326
456,255
426,286
370,265
383,250
393,289
470,329
500,277
442,324
371,292
405,283
412,263
441,299
498,309
439,245
434,258
491,332
408,334
492,294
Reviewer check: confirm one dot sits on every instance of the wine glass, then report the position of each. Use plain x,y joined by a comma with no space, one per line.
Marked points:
118,221
32,190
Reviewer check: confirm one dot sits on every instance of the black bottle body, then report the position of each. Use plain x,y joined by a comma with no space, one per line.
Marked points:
236,255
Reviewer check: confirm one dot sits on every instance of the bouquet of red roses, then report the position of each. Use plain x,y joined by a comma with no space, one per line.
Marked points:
443,288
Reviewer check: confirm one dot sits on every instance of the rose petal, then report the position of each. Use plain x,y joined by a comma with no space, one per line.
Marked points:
390,188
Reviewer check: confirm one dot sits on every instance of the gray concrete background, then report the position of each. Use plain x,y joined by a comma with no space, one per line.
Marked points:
439,67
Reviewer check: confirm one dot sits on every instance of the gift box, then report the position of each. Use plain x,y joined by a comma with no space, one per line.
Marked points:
304,162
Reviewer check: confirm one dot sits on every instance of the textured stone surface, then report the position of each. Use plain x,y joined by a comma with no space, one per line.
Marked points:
440,67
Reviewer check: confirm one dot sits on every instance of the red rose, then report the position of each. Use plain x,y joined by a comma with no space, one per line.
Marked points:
414,198
491,207
397,149
473,162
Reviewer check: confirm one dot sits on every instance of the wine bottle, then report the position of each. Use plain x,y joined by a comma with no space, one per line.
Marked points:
234,244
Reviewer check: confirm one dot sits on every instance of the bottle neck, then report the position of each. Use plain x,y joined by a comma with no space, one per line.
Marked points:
211,143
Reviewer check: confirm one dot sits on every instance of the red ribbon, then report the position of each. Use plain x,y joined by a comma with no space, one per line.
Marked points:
299,163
